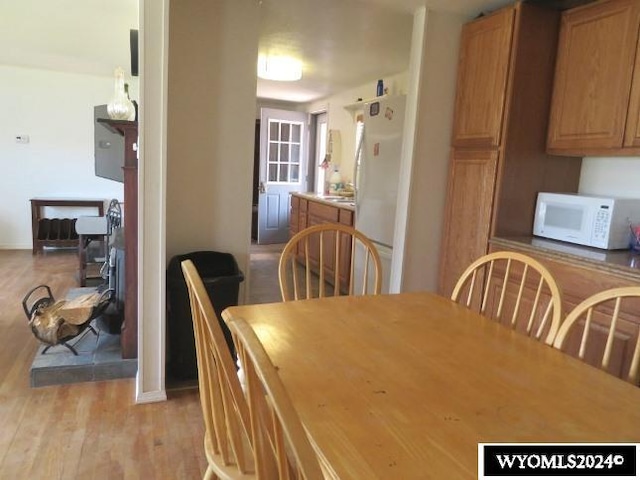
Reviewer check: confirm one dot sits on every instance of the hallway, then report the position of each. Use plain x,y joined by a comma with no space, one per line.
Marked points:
265,287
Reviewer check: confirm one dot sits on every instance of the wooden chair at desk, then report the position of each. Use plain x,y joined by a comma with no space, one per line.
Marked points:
503,281
227,442
282,448
321,257
599,318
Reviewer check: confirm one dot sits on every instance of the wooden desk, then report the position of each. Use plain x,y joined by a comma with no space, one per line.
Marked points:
405,386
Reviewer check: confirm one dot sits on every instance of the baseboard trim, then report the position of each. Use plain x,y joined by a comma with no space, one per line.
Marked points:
149,397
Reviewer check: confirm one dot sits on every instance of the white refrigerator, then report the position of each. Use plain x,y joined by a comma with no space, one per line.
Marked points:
377,174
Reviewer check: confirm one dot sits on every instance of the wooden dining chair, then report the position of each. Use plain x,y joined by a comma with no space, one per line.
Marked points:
283,450
227,441
604,333
321,261
513,289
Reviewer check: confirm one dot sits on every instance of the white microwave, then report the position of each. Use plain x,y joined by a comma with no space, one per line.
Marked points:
595,221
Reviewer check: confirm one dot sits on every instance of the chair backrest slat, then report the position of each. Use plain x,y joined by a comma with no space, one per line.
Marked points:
483,308
352,267
606,358
532,317
504,290
516,309
633,370
336,265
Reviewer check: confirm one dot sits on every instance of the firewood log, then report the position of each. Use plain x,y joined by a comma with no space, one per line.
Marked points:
80,309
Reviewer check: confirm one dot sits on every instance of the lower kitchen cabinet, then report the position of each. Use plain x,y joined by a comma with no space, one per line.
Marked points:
578,280
472,180
307,211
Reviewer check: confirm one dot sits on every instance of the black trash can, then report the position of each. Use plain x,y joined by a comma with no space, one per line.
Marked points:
221,277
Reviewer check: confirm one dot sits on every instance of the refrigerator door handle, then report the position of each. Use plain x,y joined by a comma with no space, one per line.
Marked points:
356,169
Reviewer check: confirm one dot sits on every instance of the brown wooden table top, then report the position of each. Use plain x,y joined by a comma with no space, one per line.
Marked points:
405,386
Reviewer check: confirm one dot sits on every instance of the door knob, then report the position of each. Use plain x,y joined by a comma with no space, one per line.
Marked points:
262,188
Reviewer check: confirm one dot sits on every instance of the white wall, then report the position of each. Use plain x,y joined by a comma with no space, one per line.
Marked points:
338,118
210,125
619,176
152,174
55,110
423,190
290,106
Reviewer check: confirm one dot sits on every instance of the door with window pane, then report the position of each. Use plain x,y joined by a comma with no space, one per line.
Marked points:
282,170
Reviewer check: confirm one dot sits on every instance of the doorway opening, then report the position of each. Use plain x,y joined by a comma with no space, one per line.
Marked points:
280,168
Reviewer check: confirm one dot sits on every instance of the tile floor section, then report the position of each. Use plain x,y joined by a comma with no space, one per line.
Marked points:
99,358
265,287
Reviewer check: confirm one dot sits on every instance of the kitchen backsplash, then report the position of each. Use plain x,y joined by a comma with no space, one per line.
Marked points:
614,176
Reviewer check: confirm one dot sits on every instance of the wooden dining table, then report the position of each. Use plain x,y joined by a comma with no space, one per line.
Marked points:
405,386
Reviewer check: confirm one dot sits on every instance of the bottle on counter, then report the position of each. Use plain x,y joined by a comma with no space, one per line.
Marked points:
335,181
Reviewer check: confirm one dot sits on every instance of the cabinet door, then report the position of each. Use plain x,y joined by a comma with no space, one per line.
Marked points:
483,67
294,219
594,68
320,213
472,180
632,129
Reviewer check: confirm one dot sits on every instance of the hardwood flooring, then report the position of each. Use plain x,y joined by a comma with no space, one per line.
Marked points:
87,430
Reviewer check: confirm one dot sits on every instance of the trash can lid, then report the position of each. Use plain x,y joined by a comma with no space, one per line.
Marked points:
208,264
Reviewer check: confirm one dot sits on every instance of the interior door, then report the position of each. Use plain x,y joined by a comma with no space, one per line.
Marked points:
282,170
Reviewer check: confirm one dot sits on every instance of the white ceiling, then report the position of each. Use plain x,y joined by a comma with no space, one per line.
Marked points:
65,35
342,43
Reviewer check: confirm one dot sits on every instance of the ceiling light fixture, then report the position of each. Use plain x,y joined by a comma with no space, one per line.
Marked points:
280,68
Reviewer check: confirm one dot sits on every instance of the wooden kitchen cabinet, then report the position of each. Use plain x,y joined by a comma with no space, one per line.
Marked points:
596,93
306,212
498,162
632,128
485,47
468,212
579,279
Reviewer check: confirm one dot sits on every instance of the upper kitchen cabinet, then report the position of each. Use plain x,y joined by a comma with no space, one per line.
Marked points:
596,93
485,48
499,161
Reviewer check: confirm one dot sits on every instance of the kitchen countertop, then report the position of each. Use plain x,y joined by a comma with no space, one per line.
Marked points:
623,263
347,203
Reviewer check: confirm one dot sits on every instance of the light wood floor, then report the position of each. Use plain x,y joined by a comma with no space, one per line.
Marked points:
88,430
